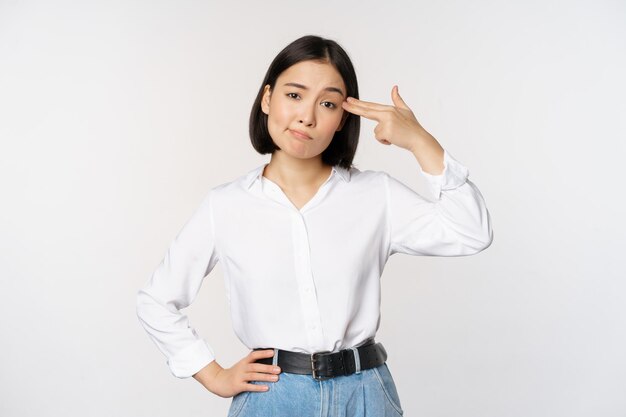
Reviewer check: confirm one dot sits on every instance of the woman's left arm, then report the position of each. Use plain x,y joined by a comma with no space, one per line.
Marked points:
458,222
398,125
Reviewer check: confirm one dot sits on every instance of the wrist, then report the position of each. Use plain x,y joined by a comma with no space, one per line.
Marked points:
430,156
207,375
421,140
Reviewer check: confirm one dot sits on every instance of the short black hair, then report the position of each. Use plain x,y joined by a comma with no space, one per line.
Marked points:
343,146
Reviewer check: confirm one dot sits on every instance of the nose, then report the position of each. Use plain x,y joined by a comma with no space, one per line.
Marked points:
307,114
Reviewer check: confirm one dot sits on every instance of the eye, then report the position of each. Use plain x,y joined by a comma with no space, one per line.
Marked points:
326,104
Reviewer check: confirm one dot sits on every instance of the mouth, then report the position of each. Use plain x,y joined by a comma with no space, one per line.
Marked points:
299,134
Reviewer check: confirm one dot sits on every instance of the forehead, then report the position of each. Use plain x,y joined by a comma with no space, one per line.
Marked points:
312,74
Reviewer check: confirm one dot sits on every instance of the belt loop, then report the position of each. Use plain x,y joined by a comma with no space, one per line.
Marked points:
357,360
275,360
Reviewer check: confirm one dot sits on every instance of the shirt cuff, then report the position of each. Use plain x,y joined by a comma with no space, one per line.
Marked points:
190,360
453,176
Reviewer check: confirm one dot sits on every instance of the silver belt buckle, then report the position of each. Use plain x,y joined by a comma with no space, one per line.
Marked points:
313,360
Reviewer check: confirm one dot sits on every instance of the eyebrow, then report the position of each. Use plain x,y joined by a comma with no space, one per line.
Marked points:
331,89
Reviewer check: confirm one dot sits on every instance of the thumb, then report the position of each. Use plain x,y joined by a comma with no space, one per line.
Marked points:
397,100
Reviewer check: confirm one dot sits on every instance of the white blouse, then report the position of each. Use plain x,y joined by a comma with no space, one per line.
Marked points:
320,266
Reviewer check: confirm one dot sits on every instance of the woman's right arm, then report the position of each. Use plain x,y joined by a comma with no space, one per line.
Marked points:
227,382
173,286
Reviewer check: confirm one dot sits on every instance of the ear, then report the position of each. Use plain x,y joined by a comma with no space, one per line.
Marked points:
265,100
343,120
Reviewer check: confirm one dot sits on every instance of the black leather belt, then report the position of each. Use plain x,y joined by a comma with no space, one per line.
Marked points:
325,365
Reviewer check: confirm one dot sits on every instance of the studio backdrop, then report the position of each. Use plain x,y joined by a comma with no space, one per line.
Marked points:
117,117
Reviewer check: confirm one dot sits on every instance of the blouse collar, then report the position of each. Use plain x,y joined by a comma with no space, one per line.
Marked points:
256,174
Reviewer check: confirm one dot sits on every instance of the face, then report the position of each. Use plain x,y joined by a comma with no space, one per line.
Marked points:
304,109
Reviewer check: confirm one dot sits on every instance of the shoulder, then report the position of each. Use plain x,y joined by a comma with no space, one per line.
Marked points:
367,176
235,186
378,180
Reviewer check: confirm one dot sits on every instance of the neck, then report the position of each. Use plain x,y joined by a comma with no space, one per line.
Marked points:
294,172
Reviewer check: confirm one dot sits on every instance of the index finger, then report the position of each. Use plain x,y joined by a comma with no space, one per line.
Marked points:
369,104
261,353
362,111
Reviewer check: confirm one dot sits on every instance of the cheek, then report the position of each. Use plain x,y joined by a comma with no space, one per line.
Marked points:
282,106
331,122
275,118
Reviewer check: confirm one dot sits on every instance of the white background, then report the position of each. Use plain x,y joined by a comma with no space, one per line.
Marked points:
116,117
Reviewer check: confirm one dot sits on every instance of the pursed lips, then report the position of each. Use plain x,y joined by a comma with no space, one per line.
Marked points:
299,134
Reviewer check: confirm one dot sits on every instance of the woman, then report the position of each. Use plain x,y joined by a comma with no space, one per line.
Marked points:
303,241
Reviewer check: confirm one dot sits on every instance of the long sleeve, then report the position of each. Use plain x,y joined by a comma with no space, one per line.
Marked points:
457,223
173,286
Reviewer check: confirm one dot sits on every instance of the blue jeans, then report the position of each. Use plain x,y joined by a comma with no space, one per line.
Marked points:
370,393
